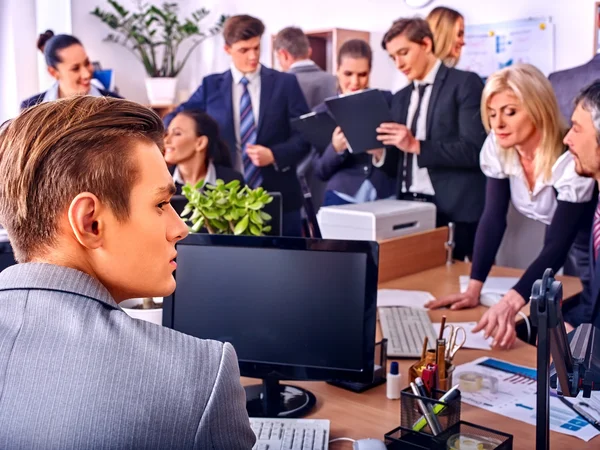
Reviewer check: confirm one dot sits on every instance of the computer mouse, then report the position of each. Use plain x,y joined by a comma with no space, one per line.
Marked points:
369,444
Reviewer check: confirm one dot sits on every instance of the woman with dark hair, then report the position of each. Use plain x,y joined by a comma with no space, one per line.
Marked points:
351,178
195,151
69,65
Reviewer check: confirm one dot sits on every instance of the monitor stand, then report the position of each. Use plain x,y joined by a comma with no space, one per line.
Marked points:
271,399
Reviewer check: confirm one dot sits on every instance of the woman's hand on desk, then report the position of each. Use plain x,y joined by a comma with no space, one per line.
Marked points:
499,320
467,299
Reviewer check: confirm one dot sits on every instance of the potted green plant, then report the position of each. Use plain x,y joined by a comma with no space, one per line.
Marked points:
154,35
227,208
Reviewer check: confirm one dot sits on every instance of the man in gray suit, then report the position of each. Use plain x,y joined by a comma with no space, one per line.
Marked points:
568,83
293,53
85,200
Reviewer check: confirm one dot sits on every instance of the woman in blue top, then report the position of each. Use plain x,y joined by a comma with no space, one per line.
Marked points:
69,65
351,178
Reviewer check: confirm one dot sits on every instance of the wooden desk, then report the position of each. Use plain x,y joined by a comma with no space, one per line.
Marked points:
371,414
443,280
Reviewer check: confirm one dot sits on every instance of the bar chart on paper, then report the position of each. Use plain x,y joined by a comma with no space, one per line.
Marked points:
510,390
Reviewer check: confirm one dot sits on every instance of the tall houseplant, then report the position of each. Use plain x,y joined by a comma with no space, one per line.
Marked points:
154,35
227,208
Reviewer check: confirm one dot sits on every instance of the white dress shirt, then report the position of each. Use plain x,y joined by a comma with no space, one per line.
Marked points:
421,183
541,202
238,90
210,178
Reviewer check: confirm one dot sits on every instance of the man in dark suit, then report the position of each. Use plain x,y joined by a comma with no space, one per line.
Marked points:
253,106
583,140
293,53
433,147
568,83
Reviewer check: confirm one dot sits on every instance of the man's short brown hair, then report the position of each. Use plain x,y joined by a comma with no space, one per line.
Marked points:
294,41
415,30
52,152
241,28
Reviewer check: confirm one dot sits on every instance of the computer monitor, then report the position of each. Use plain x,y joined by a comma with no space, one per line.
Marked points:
274,209
293,308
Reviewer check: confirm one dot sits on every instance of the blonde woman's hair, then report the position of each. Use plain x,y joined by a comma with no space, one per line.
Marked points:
536,95
442,20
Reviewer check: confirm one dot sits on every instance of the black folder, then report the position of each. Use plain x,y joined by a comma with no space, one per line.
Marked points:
358,115
316,128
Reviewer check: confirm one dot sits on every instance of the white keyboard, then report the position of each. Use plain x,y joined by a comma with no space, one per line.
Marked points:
290,434
405,330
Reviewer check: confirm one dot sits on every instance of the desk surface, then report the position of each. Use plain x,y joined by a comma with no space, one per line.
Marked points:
443,280
371,414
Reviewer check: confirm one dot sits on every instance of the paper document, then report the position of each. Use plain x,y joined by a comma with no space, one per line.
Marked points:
510,390
493,285
590,405
474,340
398,297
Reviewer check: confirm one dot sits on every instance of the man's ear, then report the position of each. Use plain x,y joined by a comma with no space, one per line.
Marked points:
85,218
309,52
227,49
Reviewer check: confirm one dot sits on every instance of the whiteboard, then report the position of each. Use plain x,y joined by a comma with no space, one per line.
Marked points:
491,47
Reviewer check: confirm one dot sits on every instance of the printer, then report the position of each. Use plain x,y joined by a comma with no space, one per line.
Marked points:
378,220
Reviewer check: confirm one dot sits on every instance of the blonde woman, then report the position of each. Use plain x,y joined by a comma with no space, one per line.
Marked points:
448,28
524,161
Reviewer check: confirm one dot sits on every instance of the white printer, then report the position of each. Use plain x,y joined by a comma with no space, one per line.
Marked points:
378,220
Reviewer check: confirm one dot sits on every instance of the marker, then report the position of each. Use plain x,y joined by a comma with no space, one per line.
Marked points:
430,418
438,407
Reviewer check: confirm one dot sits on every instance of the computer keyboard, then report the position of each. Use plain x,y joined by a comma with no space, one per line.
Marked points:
405,330
290,434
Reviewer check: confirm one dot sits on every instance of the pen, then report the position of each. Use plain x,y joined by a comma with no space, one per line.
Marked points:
587,416
432,421
421,387
438,407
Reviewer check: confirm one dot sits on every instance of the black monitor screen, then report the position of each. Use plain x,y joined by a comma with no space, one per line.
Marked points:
307,307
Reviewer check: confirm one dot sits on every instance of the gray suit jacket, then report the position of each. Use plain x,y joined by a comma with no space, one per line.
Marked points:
77,372
316,84
568,83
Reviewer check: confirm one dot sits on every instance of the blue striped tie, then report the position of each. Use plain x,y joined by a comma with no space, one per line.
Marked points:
252,174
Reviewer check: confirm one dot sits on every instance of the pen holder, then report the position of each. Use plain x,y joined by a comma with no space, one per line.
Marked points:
462,435
412,418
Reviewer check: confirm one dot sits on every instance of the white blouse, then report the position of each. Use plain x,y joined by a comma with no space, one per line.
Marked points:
539,204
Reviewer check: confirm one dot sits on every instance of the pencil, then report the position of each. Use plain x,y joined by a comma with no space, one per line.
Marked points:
442,327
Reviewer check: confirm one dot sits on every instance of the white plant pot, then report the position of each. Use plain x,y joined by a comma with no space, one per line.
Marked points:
161,91
149,315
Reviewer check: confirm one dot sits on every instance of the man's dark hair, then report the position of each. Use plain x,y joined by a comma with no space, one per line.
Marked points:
415,30
241,28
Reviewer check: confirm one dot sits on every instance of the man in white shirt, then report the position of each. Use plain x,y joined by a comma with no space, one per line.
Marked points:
253,106
434,144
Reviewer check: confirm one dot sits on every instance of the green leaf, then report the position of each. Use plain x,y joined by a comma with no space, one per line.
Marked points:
188,209
222,201
232,184
197,213
220,182
241,226
197,226
211,214
267,229
265,216
255,216
256,206
254,230
199,185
